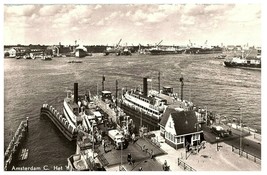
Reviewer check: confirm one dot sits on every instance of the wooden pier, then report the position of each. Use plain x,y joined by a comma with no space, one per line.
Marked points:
14,147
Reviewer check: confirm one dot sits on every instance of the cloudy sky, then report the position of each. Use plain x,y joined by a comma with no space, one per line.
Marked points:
145,24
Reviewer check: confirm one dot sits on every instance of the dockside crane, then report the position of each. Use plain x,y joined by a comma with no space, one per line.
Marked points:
118,44
159,43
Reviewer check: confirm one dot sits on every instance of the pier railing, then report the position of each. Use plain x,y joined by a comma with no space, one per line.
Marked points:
15,144
246,155
121,168
185,166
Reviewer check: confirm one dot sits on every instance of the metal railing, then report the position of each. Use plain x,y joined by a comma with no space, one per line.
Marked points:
246,155
185,166
121,168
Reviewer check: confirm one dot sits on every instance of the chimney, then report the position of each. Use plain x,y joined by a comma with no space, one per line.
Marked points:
145,86
76,93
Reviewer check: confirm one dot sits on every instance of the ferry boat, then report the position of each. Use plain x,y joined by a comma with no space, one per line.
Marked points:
147,107
251,62
243,63
80,110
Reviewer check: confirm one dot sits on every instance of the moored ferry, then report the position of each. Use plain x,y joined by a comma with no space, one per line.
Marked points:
80,110
147,107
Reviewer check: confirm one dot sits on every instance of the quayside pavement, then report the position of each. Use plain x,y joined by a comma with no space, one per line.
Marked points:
208,159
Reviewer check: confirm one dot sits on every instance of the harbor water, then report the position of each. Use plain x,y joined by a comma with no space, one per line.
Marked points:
30,83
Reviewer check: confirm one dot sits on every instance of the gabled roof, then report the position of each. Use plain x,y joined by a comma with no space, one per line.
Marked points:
166,115
184,121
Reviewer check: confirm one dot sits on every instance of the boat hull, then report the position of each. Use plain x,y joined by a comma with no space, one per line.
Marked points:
140,118
163,52
79,53
241,65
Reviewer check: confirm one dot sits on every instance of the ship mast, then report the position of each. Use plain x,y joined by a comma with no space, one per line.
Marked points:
159,82
182,86
103,85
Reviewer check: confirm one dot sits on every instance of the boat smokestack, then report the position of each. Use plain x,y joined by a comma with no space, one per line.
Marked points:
76,93
145,86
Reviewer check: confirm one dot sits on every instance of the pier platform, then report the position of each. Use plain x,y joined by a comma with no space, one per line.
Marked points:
14,147
208,159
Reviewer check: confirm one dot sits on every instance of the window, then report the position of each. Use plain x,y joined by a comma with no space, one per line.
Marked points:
178,140
170,125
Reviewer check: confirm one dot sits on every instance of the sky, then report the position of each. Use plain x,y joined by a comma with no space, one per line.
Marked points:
104,24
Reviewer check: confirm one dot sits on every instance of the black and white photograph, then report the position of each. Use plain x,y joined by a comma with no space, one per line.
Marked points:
144,86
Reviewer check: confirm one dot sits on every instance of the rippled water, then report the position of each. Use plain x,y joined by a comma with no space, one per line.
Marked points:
30,83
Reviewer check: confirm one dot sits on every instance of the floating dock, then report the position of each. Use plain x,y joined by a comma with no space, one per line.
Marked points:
14,147
61,122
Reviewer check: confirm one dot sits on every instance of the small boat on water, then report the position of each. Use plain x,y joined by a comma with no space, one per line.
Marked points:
221,56
75,61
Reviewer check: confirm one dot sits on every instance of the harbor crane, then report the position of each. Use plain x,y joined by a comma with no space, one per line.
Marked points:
159,43
118,44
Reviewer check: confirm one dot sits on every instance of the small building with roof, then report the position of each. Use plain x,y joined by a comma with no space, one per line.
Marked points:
180,129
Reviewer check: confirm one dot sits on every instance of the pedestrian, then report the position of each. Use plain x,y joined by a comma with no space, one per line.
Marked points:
144,147
151,154
165,166
133,137
132,162
129,158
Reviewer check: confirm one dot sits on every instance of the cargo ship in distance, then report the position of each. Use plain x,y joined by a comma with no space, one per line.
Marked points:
165,50
146,108
161,50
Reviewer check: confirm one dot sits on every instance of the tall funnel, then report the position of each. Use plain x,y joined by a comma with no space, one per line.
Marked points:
76,93
145,86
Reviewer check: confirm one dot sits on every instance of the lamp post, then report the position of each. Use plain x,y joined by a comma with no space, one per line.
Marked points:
217,139
121,157
196,126
241,132
206,115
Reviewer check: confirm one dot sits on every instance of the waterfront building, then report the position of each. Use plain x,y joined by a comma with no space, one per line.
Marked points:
180,128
